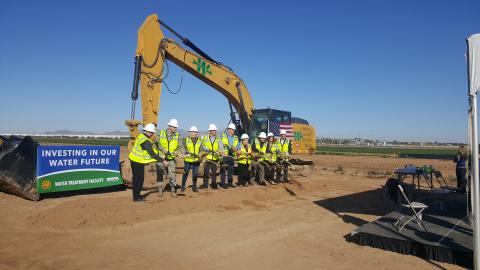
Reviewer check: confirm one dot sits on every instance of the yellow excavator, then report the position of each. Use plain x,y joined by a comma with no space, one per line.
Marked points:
154,49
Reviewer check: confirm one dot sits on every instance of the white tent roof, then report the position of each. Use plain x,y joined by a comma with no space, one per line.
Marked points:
474,63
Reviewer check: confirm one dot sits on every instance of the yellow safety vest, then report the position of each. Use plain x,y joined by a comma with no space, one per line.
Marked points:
138,154
262,149
192,148
225,142
244,152
283,147
273,152
211,147
169,145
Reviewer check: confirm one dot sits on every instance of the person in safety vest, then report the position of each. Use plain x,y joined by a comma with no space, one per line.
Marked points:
284,146
244,157
259,147
271,159
143,152
169,147
230,143
212,148
192,145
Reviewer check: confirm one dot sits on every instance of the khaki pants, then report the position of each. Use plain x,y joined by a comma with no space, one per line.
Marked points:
170,170
258,169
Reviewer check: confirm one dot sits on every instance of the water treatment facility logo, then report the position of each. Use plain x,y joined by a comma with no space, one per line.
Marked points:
46,184
202,66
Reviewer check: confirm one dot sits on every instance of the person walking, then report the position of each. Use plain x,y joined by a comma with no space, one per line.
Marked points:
259,147
230,143
244,157
143,152
461,168
212,148
284,146
192,146
168,144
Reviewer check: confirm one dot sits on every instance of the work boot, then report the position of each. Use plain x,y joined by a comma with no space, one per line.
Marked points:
140,200
214,185
174,191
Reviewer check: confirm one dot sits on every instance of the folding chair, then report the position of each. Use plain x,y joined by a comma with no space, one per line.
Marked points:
428,179
438,175
417,210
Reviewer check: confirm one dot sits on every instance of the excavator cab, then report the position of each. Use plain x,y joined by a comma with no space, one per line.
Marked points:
299,131
270,120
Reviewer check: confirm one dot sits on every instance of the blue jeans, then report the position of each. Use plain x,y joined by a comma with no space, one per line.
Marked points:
194,166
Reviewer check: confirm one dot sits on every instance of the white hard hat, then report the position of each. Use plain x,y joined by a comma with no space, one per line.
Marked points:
173,123
231,126
212,127
193,129
244,136
270,134
262,135
149,127
283,132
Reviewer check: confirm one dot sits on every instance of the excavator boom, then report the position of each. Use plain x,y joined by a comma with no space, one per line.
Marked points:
153,49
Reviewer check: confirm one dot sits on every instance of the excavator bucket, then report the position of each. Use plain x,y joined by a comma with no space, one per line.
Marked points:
301,167
18,166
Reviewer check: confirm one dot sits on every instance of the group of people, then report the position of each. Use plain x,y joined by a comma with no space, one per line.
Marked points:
265,159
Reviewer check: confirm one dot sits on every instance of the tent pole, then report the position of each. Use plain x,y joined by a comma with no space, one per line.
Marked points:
475,182
469,167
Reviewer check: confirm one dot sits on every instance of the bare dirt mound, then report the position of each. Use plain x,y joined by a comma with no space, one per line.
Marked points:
102,212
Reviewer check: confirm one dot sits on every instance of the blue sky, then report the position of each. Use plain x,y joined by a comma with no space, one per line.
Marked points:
378,69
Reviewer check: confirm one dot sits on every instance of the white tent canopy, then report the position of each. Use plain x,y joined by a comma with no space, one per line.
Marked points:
474,63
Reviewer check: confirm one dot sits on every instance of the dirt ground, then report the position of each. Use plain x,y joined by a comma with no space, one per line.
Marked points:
301,225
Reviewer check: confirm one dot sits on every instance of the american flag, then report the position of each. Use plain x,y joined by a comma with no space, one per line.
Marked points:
275,127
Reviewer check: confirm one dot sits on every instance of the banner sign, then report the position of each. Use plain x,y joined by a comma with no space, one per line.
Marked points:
62,168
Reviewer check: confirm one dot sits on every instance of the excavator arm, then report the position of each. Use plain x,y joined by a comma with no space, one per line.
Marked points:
153,49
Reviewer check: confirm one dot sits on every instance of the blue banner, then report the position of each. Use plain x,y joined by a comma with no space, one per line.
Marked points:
61,168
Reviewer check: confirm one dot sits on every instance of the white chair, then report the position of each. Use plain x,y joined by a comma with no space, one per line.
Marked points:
417,210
